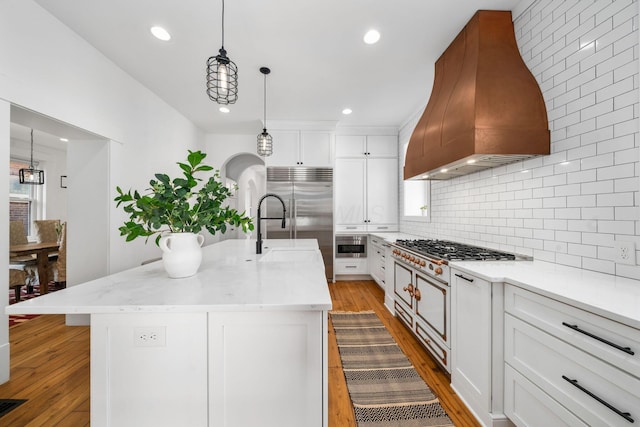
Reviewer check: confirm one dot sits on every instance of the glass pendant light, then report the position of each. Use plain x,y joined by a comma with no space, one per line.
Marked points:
265,142
31,175
222,75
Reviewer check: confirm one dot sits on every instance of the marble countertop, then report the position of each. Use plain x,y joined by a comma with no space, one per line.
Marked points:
617,298
289,275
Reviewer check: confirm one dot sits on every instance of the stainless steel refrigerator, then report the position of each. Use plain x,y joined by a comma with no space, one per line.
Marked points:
308,196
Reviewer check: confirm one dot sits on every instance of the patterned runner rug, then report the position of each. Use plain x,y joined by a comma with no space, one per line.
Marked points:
385,389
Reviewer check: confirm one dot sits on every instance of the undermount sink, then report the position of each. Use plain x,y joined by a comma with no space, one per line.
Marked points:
290,255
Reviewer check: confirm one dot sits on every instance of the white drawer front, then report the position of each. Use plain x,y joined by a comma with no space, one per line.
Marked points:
350,266
585,330
350,228
549,363
527,405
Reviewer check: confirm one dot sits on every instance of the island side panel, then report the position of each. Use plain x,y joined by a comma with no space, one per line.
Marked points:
149,369
267,368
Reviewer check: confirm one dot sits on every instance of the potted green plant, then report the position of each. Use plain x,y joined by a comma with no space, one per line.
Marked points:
176,210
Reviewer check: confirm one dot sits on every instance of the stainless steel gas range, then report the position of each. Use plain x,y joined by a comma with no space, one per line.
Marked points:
421,279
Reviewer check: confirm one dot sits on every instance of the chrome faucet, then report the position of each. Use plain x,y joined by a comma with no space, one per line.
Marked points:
284,211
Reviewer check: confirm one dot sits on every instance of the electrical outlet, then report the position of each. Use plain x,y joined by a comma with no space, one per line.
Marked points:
625,252
150,336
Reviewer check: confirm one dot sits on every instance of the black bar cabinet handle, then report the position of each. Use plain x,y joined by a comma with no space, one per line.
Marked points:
625,415
465,278
595,337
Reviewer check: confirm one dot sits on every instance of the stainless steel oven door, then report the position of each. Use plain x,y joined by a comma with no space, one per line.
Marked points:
351,246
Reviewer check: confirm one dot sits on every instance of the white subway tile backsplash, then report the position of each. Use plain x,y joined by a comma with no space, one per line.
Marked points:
593,110
600,161
628,184
627,127
610,64
581,177
628,213
598,187
570,260
620,171
615,199
616,227
582,250
585,201
600,213
615,117
570,206
628,13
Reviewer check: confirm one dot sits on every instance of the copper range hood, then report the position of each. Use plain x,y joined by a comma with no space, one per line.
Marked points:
486,108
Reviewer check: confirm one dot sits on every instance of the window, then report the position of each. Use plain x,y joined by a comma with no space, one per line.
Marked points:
24,200
417,197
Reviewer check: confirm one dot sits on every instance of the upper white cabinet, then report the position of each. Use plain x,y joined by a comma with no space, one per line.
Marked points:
301,148
366,183
369,146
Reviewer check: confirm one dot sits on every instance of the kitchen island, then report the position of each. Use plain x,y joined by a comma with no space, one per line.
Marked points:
243,342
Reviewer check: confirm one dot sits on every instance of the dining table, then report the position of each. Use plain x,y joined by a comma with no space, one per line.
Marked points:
42,251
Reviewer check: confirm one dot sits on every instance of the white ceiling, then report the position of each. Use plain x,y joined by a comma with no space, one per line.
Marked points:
319,63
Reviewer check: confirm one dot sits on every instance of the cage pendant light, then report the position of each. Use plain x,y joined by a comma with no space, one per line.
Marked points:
222,75
265,142
31,175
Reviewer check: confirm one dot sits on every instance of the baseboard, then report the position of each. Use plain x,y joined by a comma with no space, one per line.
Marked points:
389,303
346,277
5,365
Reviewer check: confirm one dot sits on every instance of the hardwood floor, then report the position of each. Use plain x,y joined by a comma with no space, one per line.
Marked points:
50,367
367,295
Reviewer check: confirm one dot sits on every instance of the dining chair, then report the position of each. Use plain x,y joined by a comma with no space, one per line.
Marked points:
18,236
46,230
17,279
58,269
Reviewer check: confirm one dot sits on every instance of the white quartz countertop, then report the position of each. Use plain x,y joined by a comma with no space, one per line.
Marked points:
617,298
289,275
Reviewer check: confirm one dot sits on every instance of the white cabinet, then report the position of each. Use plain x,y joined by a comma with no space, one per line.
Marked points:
377,260
227,369
351,266
369,146
301,148
266,369
476,346
578,364
366,194
366,183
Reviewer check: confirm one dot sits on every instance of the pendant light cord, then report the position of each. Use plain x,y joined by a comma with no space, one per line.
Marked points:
265,102
31,162
223,24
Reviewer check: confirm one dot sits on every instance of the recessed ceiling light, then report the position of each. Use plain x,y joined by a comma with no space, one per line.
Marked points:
64,140
347,111
444,170
471,161
425,176
371,37
224,110
160,33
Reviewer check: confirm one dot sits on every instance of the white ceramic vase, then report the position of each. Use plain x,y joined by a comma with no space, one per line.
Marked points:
181,253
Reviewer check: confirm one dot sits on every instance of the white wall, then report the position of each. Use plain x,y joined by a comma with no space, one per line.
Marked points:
4,242
49,69
568,207
54,163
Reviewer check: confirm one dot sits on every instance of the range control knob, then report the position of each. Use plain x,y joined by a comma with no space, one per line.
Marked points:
430,266
438,270
412,259
422,263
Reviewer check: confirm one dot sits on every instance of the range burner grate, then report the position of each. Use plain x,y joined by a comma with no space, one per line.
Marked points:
454,251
